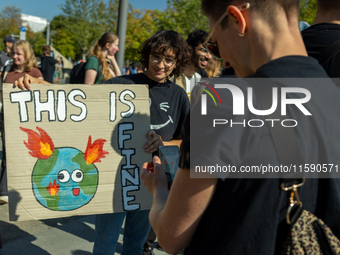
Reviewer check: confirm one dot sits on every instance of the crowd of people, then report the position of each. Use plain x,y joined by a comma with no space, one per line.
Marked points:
254,39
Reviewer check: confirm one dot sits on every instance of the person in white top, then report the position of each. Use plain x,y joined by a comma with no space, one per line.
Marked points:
199,60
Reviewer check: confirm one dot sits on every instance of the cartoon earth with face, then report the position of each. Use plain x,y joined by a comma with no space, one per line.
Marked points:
64,178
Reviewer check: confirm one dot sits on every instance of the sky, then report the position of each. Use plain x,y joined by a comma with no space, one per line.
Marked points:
49,8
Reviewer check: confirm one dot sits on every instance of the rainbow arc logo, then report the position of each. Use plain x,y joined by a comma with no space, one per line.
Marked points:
209,93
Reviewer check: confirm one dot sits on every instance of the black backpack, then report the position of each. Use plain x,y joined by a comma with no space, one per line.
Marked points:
77,75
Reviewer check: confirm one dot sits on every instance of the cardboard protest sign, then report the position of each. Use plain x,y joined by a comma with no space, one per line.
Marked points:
75,149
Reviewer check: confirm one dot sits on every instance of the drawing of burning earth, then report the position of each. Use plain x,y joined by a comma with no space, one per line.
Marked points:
64,178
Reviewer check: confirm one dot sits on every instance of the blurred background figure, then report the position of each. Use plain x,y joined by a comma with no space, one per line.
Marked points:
60,66
127,71
213,68
23,62
5,55
228,72
303,25
47,64
97,70
133,68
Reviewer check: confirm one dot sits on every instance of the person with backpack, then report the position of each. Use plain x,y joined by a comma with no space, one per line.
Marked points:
97,69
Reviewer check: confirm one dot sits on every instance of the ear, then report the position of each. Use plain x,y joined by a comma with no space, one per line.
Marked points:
237,18
107,46
190,50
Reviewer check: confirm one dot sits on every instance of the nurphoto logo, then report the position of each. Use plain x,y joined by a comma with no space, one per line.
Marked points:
239,98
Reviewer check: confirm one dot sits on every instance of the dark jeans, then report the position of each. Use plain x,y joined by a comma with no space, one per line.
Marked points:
3,170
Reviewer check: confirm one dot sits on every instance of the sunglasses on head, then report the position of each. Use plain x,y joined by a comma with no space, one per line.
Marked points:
213,47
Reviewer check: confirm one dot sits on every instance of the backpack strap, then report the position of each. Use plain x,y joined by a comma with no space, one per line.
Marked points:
99,73
328,53
6,69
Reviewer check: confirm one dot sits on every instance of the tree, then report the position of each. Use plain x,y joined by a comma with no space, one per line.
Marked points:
308,10
86,21
37,41
10,22
141,25
62,37
183,16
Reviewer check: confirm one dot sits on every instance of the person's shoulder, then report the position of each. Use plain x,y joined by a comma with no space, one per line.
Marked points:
92,59
124,79
178,90
35,72
91,63
318,30
198,75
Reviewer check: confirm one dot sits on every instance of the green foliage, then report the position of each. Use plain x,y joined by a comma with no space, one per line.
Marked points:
141,25
81,21
10,22
62,36
37,41
183,16
84,21
308,10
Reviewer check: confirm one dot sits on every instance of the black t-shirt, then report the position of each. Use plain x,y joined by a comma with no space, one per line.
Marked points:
317,38
169,104
247,216
47,68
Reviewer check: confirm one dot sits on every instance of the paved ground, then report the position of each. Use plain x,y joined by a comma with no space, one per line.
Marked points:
72,235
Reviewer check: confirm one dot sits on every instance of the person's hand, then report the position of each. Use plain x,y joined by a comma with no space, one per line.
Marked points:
25,82
154,141
112,58
153,175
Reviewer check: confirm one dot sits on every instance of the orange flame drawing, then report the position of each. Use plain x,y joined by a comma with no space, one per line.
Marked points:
40,146
53,189
94,152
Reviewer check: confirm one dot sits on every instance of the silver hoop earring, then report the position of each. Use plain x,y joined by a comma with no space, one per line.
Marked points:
241,34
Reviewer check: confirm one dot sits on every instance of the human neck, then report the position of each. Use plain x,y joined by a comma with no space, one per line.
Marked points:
19,69
189,70
152,78
327,17
268,44
7,49
104,53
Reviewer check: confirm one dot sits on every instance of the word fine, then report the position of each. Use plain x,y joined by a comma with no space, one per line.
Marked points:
129,172
56,105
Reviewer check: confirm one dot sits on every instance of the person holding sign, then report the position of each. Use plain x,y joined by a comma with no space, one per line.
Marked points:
164,55
24,62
